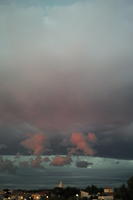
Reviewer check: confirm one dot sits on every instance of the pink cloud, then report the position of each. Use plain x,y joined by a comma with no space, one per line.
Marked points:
80,143
92,137
36,163
35,142
61,161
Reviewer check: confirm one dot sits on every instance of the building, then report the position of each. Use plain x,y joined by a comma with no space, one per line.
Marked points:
108,190
84,194
60,185
103,197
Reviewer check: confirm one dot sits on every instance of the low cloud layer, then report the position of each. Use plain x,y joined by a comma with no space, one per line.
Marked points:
61,161
66,68
83,164
7,166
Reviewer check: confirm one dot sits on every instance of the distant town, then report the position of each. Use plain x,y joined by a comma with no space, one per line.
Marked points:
62,192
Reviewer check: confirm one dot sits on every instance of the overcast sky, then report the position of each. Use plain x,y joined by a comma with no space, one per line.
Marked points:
66,77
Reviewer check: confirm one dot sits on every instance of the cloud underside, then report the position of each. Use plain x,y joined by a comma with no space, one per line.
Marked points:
66,69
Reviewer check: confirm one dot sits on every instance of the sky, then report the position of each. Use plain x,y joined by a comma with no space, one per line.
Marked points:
66,79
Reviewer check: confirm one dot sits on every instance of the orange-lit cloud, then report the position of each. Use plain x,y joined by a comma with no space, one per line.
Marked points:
80,143
61,161
36,163
92,137
35,143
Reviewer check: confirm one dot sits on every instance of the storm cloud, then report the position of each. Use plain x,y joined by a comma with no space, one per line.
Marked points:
7,166
66,68
83,164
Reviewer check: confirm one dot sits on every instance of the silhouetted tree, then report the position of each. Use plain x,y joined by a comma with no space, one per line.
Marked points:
93,189
130,187
71,191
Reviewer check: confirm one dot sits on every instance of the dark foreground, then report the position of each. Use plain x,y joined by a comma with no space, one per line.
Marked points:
124,192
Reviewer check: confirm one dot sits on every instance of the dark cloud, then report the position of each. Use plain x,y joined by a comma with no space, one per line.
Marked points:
3,146
117,162
36,163
11,136
58,143
113,141
83,164
7,166
46,159
24,164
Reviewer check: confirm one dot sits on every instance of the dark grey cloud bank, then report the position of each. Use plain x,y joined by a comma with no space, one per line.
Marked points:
67,69
83,164
31,172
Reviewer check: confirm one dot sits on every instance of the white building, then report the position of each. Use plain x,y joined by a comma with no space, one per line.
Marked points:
84,194
108,190
103,197
60,185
